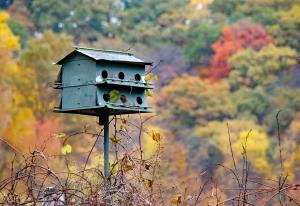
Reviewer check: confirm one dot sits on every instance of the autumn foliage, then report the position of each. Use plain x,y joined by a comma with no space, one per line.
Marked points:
227,107
241,35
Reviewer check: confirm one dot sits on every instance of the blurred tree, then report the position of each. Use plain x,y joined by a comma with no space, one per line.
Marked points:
8,44
141,20
181,21
261,11
254,102
287,101
242,34
201,37
20,21
218,6
16,123
81,18
291,150
5,3
19,30
37,59
276,4
172,63
19,12
253,68
256,153
286,28
216,133
188,100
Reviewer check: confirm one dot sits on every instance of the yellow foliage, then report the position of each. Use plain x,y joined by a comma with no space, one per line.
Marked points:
20,131
176,199
197,2
151,140
156,136
291,150
8,41
67,149
219,132
256,144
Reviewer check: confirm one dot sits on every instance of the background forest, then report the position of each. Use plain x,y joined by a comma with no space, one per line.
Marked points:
221,64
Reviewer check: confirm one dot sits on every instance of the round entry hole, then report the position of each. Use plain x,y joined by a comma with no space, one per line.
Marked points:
106,97
137,77
121,75
139,100
123,98
104,74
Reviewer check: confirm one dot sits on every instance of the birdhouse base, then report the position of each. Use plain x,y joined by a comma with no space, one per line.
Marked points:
110,110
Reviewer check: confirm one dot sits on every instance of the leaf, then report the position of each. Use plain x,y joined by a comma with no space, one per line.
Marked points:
67,149
115,139
148,183
176,199
156,136
148,77
73,168
60,135
114,96
124,121
148,93
156,78
127,167
123,127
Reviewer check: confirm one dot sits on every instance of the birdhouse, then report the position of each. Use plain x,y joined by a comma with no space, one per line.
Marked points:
96,82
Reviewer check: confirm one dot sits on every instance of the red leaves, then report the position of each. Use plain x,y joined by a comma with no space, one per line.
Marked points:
243,34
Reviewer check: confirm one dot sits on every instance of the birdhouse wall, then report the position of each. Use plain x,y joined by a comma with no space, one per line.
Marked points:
131,97
120,71
79,96
78,78
78,70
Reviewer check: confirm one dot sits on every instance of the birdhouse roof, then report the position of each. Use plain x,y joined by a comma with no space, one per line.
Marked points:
105,55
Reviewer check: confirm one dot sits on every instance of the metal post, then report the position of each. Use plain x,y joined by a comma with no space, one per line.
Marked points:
106,159
106,147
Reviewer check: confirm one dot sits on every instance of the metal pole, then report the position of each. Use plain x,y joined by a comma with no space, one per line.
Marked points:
106,159
106,147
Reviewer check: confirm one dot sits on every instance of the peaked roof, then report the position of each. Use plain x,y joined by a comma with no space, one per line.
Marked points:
107,55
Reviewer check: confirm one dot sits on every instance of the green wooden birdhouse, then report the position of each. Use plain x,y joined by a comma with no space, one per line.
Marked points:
96,82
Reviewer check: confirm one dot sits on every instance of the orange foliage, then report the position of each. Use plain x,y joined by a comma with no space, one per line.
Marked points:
19,12
44,136
27,134
243,34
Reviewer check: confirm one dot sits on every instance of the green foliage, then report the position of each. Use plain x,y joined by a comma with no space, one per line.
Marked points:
37,59
247,94
75,16
287,101
252,102
19,30
188,100
261,11
218,6
201,37
286,29
142,22
252,68
114,95
148,93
